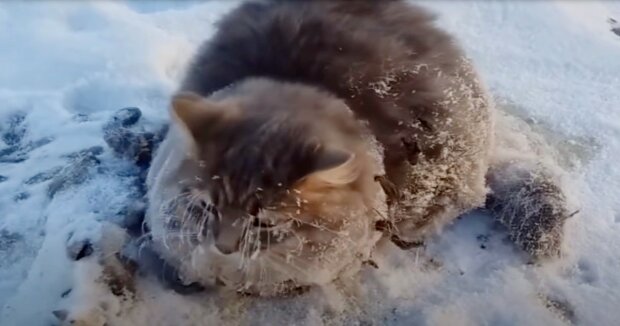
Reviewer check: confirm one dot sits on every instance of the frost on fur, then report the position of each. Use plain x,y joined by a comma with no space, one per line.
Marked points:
532,205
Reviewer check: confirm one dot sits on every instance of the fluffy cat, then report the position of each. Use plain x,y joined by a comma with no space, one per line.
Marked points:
290,200
267,180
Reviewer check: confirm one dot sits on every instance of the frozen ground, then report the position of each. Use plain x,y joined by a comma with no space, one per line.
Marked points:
68,66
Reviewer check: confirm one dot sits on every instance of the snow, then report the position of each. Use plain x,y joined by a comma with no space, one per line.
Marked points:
553,63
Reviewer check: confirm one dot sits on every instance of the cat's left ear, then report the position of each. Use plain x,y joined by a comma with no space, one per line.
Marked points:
198,115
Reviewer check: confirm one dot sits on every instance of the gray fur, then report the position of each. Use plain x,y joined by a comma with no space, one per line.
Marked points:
393,68
284,77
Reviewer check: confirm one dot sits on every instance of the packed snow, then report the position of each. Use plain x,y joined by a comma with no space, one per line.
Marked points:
67,67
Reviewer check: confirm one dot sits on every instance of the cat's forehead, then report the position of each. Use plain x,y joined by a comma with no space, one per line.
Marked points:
256,157
265,132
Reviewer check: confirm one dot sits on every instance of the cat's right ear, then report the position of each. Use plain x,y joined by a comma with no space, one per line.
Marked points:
335,168
197,115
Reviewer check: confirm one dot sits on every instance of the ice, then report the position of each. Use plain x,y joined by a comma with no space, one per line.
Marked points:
67,67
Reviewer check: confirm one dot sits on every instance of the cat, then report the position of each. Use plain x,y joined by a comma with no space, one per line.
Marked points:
291,196
305,131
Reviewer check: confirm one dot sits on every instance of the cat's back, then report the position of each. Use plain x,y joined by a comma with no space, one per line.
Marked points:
362,51
386,59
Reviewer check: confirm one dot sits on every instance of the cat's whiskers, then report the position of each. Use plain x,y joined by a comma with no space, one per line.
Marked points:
245,244
167,211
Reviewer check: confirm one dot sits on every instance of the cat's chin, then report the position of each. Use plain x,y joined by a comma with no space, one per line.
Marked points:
282,269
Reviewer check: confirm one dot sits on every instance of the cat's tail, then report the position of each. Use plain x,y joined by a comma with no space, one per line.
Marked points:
529,192
530,202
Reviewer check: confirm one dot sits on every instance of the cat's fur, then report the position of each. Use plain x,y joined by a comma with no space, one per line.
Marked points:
289,201
392,67
272,128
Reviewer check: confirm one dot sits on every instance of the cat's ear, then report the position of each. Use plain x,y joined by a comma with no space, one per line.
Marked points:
197,115
334,168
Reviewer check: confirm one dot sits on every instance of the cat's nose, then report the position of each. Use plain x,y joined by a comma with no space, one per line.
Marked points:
227,234
227,243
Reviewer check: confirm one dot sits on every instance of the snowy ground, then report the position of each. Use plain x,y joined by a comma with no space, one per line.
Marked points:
68,66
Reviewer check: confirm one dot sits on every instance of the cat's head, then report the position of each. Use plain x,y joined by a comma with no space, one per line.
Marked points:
285,165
